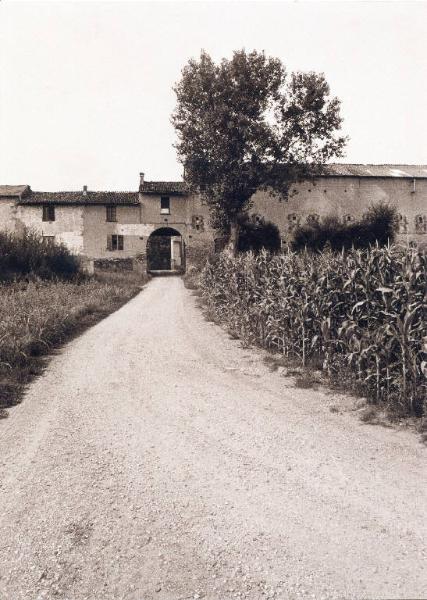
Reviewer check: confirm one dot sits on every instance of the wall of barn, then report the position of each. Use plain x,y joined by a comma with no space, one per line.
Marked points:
347,198
67,228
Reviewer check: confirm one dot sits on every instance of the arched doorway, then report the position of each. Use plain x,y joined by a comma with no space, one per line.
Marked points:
165,251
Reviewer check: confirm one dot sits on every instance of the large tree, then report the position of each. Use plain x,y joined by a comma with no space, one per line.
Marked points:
244,124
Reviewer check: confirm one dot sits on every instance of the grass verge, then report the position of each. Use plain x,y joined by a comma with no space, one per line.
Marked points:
39,316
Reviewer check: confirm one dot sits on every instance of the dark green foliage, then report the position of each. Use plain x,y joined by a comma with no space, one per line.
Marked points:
28,255
378,226
256,234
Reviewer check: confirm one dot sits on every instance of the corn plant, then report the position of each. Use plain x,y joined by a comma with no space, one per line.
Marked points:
362,309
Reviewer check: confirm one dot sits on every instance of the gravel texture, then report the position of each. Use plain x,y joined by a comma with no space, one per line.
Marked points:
158,459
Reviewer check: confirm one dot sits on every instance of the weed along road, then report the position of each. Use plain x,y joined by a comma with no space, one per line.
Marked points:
157,458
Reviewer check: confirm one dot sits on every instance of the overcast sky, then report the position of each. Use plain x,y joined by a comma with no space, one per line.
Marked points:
86,87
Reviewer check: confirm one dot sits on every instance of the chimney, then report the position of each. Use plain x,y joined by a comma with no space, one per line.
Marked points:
85,190
141,179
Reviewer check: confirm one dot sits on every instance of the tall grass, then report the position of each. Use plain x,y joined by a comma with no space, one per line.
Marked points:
360,313
39,315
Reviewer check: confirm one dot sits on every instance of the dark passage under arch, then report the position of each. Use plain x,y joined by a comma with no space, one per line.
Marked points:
166,251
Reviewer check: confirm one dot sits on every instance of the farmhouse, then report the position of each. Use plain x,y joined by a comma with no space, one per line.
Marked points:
163,223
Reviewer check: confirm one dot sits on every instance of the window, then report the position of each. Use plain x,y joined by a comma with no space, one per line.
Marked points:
48,240
165,205
111,213
312,219
402,224
293,221
197,223
115,242
421,224
48,212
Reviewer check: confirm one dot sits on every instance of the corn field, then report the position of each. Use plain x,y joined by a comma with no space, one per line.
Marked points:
359,314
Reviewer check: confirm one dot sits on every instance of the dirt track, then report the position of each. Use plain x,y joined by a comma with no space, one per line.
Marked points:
156,458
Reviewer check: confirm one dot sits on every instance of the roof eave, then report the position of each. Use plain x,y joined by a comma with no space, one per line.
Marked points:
25,202
164,193
336,175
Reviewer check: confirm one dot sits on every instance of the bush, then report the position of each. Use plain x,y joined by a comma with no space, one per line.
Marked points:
378,226
28,255
361,313
380,222
257,234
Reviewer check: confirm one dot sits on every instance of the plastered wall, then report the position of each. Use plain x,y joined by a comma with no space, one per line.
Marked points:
96,230
188,215
344,197
8,212
67,226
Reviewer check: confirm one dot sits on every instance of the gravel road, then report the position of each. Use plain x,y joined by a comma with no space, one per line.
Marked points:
158,459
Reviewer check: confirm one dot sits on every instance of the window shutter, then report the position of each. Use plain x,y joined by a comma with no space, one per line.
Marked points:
120,242
111,213
109,242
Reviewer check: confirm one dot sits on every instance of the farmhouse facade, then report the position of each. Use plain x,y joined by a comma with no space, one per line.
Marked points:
163,222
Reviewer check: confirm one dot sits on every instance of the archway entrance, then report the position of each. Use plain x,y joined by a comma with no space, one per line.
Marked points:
165,251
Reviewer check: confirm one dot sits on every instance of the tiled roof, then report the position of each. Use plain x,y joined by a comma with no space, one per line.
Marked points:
164,187
13,190
331,170
355,170
126,198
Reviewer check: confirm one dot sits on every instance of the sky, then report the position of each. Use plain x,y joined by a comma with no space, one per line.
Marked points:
86,87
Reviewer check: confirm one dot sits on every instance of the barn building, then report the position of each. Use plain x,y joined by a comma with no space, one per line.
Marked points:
163,223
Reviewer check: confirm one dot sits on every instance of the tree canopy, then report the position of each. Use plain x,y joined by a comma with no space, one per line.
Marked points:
245,124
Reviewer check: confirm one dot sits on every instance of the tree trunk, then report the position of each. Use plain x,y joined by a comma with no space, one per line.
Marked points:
234,238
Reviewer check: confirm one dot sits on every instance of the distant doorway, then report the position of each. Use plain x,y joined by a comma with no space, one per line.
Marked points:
165,251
